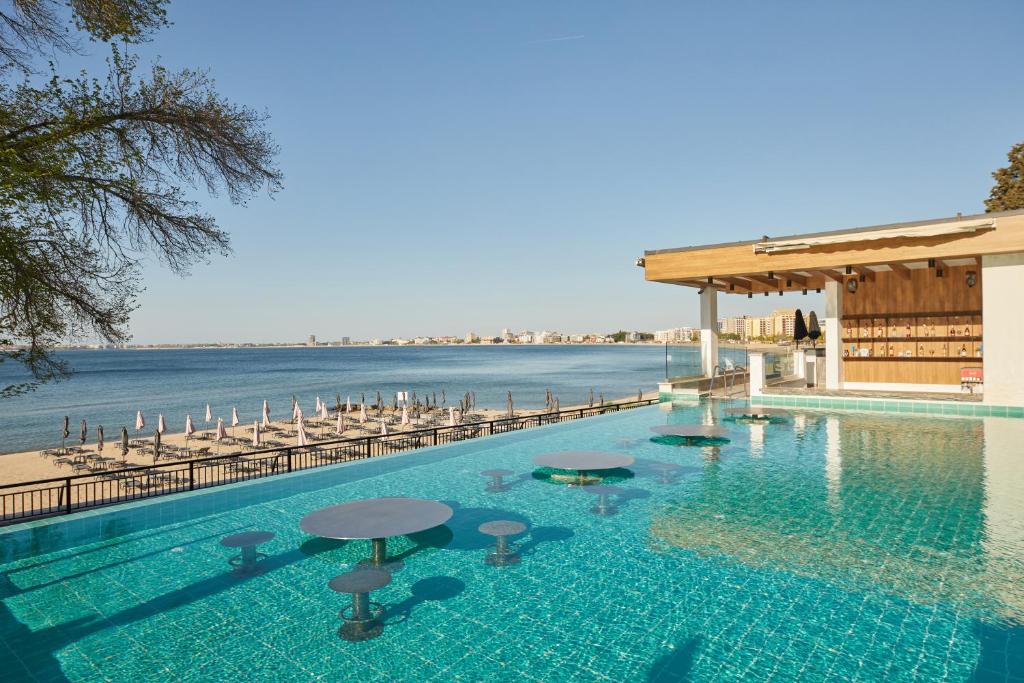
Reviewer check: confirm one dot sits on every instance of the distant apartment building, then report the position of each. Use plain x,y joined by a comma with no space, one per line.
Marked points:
674,335
525,337
345,341
311,341
471,337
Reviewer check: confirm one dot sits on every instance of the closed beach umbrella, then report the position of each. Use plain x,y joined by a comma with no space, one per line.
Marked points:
296,410
337,403
590,398
190,429
813,329
124,443
66,433
799,327
601,399
99,438
316,405
340,428
266,413
451,416
209,413
220,433
383,428
509,404
234,417
362,413
348,404
84,434
405,415
323,411
444,399
156,445
140,421
300,429
161,426
255,434
558,405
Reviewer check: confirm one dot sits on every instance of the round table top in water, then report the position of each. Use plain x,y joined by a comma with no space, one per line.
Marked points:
376,518
690,430
246,538
360,581
502,527
583,460
755,411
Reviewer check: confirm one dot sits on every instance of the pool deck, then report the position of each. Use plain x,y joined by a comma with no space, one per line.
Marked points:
794,389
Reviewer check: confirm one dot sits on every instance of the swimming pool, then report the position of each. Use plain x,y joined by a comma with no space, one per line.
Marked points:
851,546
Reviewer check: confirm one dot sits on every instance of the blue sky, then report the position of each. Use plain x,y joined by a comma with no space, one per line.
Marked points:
478,165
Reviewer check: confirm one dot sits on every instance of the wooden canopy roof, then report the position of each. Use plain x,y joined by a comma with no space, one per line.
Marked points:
802,262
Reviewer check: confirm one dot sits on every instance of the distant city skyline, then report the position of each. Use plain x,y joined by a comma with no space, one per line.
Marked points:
450,167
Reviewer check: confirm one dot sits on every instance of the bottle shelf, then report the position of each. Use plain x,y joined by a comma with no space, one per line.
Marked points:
910,339
922,359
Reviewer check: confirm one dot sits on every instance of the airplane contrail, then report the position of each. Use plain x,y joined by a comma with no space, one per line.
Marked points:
559,39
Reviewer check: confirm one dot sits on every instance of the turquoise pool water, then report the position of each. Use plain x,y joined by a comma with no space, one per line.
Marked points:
841,546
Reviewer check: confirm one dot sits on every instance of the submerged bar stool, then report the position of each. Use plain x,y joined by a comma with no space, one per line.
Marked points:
362,619
247,561
503,553
496,484
604,507
667,470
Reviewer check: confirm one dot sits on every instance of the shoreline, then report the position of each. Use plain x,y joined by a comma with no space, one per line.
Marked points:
31,465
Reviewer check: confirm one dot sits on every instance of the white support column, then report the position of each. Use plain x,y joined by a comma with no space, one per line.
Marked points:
708,330
799,363
1002,280
757,378
833,335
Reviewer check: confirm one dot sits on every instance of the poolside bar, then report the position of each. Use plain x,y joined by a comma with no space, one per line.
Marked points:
928,306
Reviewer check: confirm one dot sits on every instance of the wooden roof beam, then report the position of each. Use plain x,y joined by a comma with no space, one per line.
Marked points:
798,279
738,283
829,275
868,274
765,280
900,269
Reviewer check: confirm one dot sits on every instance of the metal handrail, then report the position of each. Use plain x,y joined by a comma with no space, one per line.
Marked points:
262,463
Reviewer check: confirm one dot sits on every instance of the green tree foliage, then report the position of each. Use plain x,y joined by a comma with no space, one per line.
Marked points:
1008,192
95,173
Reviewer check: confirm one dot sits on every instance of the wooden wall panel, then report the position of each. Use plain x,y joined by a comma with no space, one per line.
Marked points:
923,293
924,315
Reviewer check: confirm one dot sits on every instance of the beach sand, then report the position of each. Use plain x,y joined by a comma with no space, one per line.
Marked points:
33,465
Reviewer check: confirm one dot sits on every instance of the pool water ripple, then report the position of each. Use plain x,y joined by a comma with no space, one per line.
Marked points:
839,546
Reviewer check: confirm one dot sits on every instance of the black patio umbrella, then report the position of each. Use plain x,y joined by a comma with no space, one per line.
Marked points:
799,328
443,399
156,445
124,443
601,398
84,433
99,438
66,433
813,330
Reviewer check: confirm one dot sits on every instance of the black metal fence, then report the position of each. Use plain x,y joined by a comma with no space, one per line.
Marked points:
64,495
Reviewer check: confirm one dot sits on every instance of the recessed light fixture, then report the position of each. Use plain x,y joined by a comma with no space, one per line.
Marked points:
780,292
818,290
849,270
750,295
805,292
